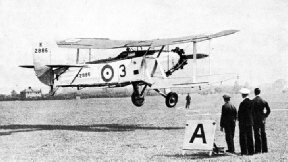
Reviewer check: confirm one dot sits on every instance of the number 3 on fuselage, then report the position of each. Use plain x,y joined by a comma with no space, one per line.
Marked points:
118,71
122,70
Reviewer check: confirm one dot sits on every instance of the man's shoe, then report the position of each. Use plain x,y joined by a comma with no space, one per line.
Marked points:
232,152
242,154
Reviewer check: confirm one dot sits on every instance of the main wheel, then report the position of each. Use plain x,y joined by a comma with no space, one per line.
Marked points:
171,99
137,100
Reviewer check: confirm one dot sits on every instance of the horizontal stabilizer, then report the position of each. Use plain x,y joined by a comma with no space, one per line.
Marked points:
56,66
66,65
27,66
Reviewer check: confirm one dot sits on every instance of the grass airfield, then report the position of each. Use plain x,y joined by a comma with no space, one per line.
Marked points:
113,129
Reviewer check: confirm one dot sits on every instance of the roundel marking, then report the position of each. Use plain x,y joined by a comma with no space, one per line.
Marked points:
107,73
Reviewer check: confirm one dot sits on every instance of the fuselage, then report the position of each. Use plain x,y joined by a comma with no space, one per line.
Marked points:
119,71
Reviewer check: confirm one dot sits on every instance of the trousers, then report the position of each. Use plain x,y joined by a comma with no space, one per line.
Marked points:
187,105
246,140
260,138
229,136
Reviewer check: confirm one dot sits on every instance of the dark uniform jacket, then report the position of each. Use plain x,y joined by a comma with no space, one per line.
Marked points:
245,116
258,110
229,115
188,99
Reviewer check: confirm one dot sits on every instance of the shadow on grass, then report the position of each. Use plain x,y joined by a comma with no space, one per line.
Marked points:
5,133
15,128
194,156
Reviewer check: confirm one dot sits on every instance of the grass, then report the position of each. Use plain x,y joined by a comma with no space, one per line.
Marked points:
115,130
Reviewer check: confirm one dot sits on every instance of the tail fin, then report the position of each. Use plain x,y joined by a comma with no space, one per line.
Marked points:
41,57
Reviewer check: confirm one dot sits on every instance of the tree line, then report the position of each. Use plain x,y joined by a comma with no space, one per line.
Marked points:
104,93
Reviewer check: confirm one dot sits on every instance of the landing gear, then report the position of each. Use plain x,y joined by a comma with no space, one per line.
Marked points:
137,96
137,100
171,99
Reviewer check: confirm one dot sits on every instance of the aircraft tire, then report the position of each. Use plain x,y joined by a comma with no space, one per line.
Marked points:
171,99
137,100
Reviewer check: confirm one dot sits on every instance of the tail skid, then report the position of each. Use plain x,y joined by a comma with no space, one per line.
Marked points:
53,90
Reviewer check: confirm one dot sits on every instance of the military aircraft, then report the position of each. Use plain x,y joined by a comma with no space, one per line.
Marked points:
135,66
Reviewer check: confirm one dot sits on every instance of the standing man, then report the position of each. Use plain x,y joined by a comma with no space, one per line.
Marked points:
245,119
227,122
188,101
259,118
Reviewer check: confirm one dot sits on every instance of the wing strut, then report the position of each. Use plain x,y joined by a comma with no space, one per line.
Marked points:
160,51
209,57
156,62
89,54
194,65
144,66
76,76
77,56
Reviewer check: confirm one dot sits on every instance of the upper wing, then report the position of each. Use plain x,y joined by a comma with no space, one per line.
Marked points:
197,38
97,43
104,43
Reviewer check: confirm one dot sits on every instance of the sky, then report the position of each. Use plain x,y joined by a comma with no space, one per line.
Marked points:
258,52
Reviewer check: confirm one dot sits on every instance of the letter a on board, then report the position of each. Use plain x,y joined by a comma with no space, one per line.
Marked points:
196,135
199,135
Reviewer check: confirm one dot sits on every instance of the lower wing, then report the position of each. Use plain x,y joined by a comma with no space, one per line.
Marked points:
186,82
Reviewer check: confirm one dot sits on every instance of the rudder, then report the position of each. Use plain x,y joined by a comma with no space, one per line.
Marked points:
41,57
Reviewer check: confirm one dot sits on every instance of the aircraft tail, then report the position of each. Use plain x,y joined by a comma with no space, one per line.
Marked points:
41,57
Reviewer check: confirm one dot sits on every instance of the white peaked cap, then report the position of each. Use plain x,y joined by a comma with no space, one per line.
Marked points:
244,91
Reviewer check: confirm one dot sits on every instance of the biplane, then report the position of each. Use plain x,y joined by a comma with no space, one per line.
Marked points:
139,65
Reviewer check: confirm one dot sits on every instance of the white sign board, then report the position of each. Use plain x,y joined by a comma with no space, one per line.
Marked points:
199,135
